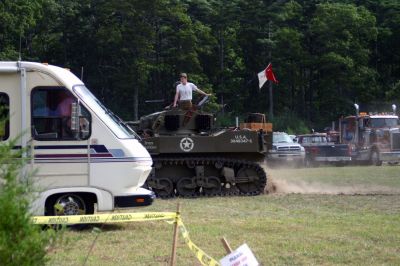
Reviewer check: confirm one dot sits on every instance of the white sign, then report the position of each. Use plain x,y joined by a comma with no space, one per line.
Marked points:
242,256
186,144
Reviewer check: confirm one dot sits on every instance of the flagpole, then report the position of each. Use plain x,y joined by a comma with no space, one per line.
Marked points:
271,100
268,75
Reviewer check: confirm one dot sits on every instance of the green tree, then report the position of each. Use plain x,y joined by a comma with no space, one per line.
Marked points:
341,35
17,17
325,54
21,242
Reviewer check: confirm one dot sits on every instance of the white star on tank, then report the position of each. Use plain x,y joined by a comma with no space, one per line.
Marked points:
186,144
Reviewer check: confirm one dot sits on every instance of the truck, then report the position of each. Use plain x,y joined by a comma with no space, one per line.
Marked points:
81,152
373,137
319,149
285,151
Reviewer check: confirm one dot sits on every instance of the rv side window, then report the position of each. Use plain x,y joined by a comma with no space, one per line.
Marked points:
58,115
4,116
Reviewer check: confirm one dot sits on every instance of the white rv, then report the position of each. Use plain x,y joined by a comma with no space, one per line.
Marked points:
83,154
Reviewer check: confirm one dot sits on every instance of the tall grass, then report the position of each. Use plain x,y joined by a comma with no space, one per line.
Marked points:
281,229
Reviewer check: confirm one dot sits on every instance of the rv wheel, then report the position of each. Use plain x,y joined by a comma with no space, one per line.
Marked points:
70,204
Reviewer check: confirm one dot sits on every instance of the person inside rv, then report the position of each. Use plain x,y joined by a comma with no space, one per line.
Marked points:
63,110
51,115
65,101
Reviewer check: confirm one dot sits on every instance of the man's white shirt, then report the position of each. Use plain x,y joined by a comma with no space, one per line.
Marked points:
185,91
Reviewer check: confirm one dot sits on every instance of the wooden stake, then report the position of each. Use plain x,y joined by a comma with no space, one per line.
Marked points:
226,246
175,240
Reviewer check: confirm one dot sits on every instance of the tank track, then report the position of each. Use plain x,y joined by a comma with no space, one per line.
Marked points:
205,177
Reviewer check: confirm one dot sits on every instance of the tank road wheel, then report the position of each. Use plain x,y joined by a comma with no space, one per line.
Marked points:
186,187
248,181
212,187
163,187
375,158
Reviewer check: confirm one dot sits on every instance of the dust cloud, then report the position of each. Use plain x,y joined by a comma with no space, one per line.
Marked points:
302,187
280,185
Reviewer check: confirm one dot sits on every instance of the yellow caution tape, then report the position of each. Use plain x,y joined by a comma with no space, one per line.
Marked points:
104,218
130,217
200,254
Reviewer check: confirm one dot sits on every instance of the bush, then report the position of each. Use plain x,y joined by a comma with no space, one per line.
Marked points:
21,242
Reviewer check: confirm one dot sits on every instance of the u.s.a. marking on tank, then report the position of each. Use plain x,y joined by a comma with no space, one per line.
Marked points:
186,144
241,139
150,145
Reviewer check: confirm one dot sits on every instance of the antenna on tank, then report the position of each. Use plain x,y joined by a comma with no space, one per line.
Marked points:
357,109
20,45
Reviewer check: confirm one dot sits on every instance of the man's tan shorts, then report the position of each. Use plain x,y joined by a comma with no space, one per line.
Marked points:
185,105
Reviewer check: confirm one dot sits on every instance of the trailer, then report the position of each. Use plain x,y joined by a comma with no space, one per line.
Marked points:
83,155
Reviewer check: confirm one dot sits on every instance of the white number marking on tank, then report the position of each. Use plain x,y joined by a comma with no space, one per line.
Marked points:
186,144
241,139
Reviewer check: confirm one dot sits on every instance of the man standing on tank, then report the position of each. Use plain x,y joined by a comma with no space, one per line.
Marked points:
184,93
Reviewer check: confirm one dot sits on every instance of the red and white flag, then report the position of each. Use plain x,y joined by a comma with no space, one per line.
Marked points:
266,74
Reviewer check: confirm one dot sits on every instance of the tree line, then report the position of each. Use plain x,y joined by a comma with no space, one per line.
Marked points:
325,54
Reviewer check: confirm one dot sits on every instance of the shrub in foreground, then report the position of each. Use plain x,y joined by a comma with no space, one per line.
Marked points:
21,242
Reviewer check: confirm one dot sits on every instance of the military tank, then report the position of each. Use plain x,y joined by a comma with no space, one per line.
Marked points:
192,157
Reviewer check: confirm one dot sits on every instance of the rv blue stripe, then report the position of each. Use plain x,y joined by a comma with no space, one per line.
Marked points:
97,148
81,160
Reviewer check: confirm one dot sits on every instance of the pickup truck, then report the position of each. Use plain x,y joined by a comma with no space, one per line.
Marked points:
284,151
319,150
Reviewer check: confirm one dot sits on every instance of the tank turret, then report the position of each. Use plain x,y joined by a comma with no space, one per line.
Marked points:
177,122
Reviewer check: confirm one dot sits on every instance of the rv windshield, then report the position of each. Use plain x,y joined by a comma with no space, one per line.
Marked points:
384,122
117,126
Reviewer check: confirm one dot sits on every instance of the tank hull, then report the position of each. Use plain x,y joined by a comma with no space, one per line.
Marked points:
223,163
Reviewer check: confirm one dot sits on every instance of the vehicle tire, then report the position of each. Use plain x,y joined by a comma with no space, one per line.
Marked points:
340,164
308,162
70,204
374,159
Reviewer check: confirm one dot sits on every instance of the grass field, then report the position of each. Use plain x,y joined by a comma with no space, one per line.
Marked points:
345,215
